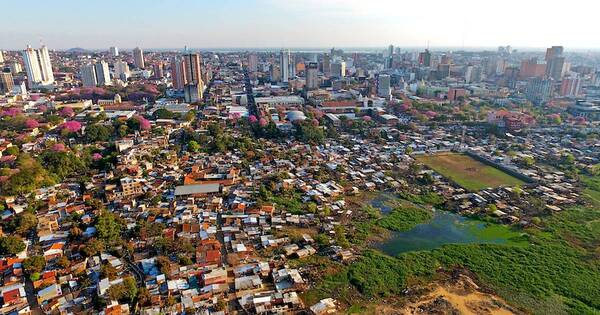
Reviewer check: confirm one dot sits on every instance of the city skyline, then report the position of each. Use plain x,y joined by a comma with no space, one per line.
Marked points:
295,24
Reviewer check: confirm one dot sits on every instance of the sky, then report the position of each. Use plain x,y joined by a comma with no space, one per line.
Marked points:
95,24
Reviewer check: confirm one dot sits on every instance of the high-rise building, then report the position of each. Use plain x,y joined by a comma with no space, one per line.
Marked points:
284,65
555,62
102,73
384,88
338,69
114,51
6,82
538,90
1,57
274,73
326,64
252,62
570,87
312,76
38,66
138,58
425,58
177,73
122,70
157,68
88,75
193,86
532,68
389,60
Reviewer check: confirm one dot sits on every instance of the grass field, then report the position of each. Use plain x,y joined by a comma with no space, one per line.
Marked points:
468,172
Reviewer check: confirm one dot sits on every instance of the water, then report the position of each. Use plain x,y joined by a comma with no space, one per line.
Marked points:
444,228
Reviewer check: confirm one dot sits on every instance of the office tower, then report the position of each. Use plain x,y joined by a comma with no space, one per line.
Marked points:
114,51
88,75
177,73
193,80
326,64
138,58
38,66
1,57
538,90
312,76
443,71
122,70
15,67
338,69
284,65
425,58
157,68
555,62
468,74
570,87
500,66
384,88
274,73
6,82
252,62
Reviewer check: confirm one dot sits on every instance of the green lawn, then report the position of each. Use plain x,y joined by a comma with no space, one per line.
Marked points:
468,172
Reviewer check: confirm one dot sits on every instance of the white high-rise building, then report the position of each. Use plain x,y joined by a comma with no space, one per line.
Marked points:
88,75
38,66
102,73
284,65
138,57
45,65
1,57
114,51
122,70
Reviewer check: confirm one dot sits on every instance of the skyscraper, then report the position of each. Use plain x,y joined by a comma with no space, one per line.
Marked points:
384,86
15,67
425,58
193,77
555,62
114,51
6,82
157,68
538,90
138,58
252,62
177,73
102,73
1,57
38,66
284,65
570,87
88,75
312,76
390,57
122,70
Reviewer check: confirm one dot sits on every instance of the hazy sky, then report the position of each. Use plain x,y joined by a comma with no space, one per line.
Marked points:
94,24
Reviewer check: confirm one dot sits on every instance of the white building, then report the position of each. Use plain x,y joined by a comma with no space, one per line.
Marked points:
114,51
312,76
122,70
38,66
338,69
252,62
88,75
138,57
284,65
102,73
384,86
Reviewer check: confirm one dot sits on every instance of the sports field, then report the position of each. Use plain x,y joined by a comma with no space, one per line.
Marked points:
468,172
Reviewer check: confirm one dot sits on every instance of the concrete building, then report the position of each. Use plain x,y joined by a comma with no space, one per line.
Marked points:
102,73
122,70
284,65
252,62
6,82
384,88
312,76
338,69
177,73
38,66
88,75
138,58
538,90
570,87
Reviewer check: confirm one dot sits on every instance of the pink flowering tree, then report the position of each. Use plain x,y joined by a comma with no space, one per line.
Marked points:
252,119
315,122
96,156
10,112
71,126
58,147
67,112
367,118
31,123
262,122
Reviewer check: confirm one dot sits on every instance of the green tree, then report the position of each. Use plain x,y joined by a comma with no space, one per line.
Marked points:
34,264
11,245
109,227
94,133
193,146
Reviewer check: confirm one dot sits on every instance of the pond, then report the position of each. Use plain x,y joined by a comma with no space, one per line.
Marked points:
448,228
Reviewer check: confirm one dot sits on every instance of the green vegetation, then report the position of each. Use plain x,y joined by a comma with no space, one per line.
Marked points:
11,245
404,218
468,172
